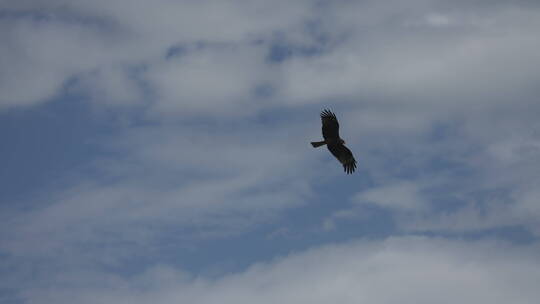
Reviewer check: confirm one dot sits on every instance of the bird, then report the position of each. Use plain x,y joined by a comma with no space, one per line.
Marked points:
334,143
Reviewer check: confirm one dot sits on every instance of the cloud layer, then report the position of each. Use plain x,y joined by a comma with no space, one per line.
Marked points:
198,117
405,270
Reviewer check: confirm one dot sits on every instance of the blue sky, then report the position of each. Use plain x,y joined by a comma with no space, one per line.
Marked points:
159,151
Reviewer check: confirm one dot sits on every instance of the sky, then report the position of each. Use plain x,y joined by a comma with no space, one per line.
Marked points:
158,151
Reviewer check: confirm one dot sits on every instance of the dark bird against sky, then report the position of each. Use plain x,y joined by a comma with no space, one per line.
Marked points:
336,145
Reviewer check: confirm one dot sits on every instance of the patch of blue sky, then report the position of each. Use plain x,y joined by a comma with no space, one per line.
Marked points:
296,230
59,15
280,52
44,144
513,234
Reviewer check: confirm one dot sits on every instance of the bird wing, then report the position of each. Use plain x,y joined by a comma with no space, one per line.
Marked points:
330,125
345,157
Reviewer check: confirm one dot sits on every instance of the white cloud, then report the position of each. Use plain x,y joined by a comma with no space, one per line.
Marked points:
401,195
404,270
475,175
215,79
43,55
408,68
519,209
69,38
438,20
368,51
403,198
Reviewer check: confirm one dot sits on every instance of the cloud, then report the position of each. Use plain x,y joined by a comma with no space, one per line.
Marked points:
397,72
188,183
507,210
466,175
389,54
214,79
421,66
218,101
403,195
51,43
405,270
113,86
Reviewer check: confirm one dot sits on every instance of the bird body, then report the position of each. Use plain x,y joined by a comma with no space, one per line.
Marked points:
334,143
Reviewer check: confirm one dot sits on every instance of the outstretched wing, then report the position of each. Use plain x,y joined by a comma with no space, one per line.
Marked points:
330,125
345,157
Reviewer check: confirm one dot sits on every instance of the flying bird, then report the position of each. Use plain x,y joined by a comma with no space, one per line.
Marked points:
334,143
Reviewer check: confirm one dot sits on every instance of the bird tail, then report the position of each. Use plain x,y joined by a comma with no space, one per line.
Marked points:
317,144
